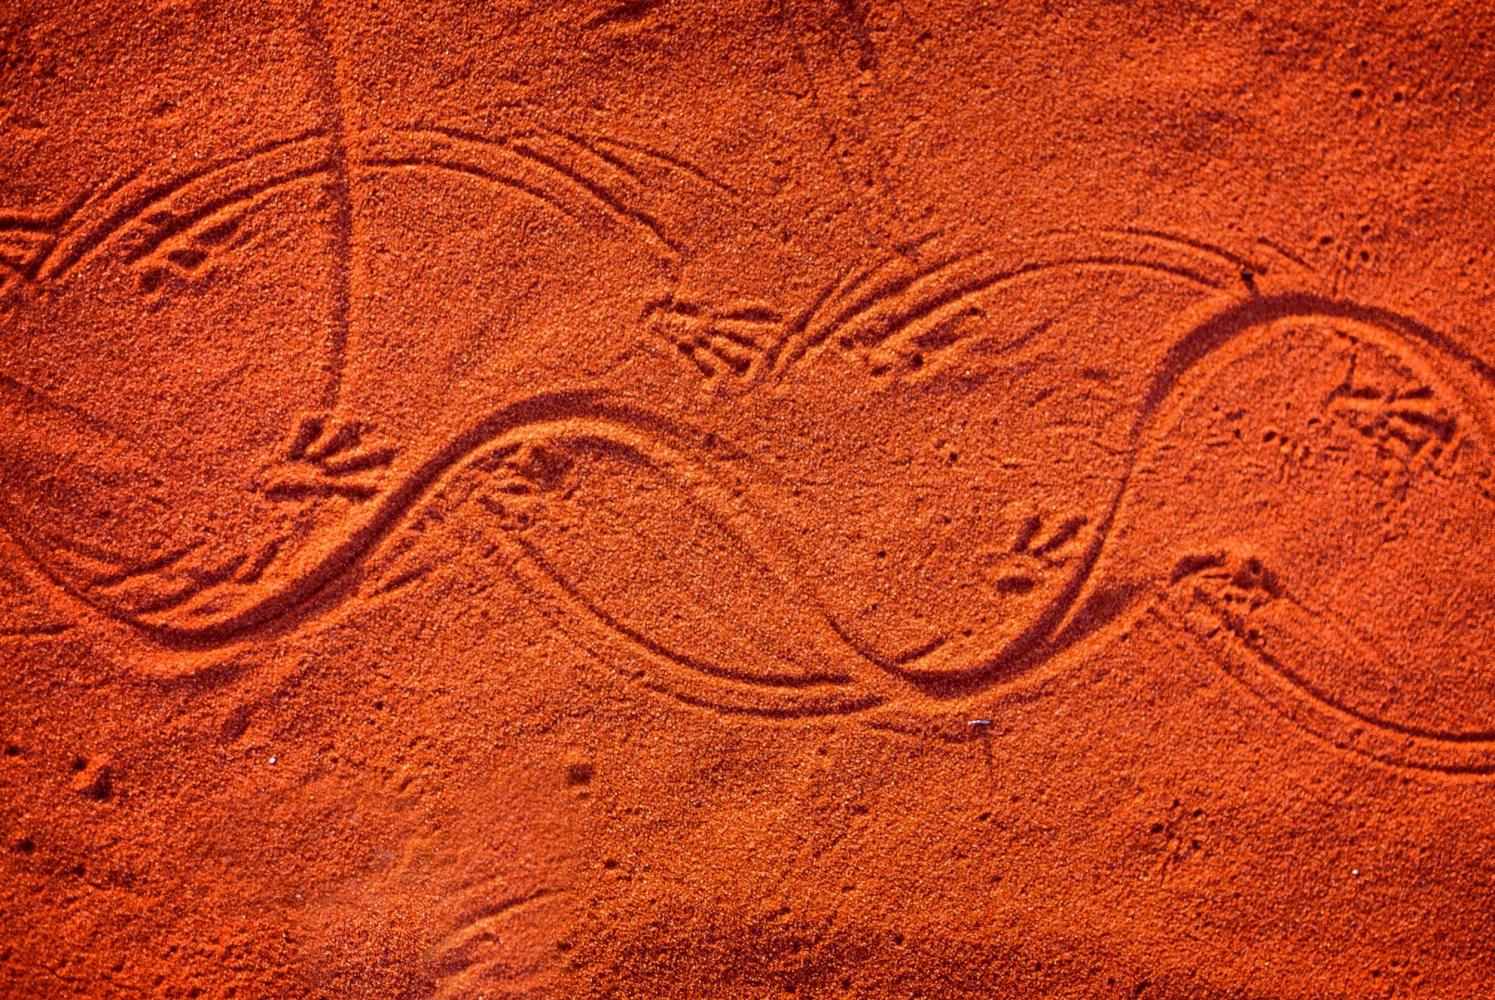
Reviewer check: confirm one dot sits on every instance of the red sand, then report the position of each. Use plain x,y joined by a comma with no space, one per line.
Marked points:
630,499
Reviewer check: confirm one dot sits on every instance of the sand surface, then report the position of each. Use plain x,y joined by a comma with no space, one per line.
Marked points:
877,498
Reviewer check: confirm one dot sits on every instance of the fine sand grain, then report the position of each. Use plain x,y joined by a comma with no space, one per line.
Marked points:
632,498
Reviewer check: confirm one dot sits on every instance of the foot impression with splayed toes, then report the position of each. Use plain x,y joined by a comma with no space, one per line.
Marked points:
329,460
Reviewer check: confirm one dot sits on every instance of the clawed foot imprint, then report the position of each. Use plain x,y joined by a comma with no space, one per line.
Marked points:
521,474
1029,556
327,458
732,342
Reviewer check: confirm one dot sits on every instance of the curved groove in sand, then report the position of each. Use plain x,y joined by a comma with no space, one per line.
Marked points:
342,555
1199,345
891,299
1328,719
275,163
852,301
127,206
1318,713
694,487
1185,371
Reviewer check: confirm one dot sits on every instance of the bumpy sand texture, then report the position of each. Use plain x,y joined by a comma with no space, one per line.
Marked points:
635,499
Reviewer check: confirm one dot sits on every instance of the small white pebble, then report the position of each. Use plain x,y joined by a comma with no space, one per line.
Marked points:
272,760
1355,872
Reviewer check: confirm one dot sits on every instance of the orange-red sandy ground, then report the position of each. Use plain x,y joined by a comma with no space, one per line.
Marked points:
630,498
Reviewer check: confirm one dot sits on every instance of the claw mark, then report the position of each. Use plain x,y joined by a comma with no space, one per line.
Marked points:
34,631
143,569
668,159
255,568
731,341
327,460
29,238
474,951
24,397
1028,557
1409,423
1211,252
546,199
626,14
593,149
840,90
1061,537
1286,254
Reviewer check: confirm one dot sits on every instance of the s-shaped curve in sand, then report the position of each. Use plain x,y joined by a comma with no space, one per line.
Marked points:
832,674
168,231
877,312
